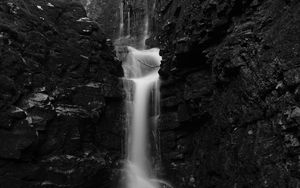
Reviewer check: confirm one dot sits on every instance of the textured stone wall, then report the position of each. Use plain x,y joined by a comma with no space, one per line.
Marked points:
230,92
60,97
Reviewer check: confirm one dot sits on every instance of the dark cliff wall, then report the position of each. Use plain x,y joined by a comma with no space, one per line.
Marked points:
230,92
60,97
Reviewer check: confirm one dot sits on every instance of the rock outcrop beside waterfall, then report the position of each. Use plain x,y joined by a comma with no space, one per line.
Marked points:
60,97
230,92
106,13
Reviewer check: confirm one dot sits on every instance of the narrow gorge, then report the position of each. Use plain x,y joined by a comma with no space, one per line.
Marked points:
149,94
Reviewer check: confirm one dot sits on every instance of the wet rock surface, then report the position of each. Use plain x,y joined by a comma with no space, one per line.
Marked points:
106,13
60,94
230,92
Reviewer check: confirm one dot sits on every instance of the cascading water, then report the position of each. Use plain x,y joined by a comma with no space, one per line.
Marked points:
141,67
141,84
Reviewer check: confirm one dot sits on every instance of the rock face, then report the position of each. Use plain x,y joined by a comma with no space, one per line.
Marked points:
60,97
230,92
106,13
111,14
121,18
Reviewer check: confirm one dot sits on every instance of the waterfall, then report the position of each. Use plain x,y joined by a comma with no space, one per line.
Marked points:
141,83
121,24
87,4
146,25
141,67
128,23
121,30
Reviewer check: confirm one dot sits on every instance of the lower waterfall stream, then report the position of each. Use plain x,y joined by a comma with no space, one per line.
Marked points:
141,73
